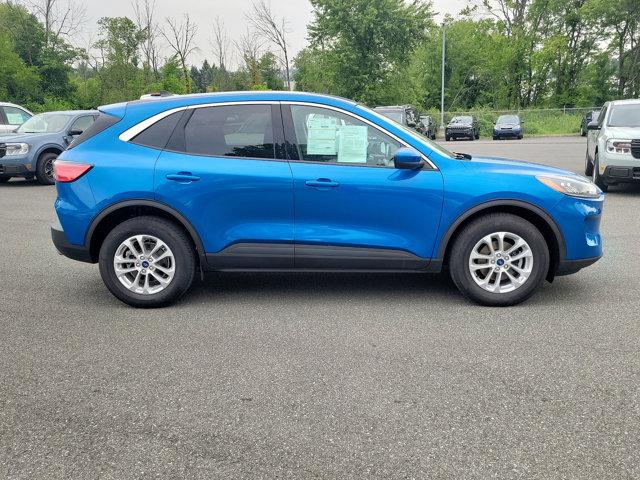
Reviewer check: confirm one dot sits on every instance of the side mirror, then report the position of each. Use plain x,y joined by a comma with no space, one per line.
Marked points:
407,159
74,133
593,126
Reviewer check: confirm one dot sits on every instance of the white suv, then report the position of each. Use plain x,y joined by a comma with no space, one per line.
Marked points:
613,144
12,116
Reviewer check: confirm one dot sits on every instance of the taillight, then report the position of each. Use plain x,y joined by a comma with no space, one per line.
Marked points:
69,171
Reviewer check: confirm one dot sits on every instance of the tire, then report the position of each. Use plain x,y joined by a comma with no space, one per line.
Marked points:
516,227
495,138
4,179
588,166
477,137
447,138
520,137
595,175
44,168
183,262
433,136
582,132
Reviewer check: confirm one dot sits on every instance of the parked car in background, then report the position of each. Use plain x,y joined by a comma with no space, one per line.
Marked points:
430,126
587,118
158,191
463,126
403,114
31,150
508,126
12,116
613,144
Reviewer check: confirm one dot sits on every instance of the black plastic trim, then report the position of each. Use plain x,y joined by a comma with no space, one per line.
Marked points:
306,257
74,252
145,203
504,203
569,267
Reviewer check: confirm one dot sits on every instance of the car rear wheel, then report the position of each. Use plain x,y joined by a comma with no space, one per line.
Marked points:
597,178
44,168
147,262
499,260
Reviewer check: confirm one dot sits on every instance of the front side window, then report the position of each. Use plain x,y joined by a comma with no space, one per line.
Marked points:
231,131
82,123
15,116
333,137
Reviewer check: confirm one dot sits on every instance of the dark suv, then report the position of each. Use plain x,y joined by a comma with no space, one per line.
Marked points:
463,126
404,115
430,126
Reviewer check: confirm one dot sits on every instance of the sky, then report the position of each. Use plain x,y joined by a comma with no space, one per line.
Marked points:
232,12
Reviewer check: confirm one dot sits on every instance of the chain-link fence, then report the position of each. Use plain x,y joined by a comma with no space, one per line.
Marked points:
542,121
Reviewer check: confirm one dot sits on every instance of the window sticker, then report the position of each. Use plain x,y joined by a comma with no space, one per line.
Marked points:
321,136
353,141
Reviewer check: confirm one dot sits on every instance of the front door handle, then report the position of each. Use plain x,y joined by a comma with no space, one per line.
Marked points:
322,183
184,177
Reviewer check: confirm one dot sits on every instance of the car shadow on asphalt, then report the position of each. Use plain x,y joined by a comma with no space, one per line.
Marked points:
20,183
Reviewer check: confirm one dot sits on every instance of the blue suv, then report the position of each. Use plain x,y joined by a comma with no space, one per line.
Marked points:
157,190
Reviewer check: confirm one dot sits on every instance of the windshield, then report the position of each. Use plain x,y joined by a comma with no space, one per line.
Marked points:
508,119
432,145
464,119
45,123
625,116
393,115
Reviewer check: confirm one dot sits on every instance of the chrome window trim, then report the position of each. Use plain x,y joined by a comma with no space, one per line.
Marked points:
135,130
132,132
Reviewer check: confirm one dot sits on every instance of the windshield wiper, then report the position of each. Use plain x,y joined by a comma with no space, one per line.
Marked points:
461,156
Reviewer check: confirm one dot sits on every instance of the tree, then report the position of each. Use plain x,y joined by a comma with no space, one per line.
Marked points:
271,30
180,38
367,41
145,20
61,18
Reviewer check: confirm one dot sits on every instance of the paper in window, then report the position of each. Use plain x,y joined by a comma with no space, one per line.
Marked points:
321,136
353,141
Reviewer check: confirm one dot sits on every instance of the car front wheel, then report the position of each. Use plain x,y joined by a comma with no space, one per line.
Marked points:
44,168
597,178
147,262
499,260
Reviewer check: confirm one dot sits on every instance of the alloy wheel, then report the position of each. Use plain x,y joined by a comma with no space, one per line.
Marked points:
501,262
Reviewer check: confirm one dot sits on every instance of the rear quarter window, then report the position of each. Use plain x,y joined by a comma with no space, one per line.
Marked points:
103,122
158,134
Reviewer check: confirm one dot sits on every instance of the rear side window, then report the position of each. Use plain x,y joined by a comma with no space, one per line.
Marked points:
231,131
158,134
103,122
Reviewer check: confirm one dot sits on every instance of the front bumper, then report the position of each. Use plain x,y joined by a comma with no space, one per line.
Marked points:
11,168
461,133
64,247
513,133
623,174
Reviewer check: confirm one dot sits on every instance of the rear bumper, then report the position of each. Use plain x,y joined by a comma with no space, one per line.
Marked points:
64,247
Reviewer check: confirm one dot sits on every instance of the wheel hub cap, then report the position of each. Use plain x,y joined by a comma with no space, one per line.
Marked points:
144,264
501,262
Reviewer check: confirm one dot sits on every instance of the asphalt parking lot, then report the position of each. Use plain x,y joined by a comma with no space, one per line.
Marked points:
319,375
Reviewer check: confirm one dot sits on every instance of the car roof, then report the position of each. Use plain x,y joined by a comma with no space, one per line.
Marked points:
631,101
9,104
75,112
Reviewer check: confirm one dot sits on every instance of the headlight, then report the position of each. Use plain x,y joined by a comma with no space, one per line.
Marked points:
571,186
17,149
622,147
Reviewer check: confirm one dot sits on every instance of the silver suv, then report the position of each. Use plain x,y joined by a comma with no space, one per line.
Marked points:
12,116
613,144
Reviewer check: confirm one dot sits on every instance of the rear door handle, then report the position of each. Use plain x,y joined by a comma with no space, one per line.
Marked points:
184,177
322,183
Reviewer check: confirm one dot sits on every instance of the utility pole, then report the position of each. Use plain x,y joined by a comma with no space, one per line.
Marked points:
444,44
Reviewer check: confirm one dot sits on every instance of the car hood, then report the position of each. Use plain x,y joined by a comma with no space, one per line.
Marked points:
623,133
506,165
25,137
